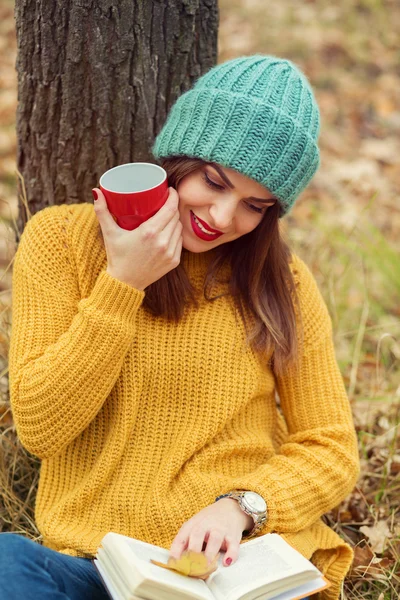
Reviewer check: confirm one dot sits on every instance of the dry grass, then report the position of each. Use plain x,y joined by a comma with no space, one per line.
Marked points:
345,226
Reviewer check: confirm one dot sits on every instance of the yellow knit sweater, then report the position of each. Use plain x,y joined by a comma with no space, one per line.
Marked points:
140,423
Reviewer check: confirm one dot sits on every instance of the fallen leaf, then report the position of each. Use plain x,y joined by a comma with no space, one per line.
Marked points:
191,564
345,516
362,556
368,566
358,508
377,535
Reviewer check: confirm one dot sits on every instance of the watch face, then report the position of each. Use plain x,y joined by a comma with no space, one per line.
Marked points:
255,502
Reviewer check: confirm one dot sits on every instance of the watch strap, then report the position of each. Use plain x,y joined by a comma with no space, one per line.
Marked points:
259,520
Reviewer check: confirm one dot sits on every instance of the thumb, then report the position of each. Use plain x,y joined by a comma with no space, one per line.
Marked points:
106,219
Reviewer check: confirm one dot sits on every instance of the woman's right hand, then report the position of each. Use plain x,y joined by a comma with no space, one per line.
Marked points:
142,256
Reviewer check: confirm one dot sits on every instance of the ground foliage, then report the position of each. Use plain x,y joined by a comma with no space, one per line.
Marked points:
345,226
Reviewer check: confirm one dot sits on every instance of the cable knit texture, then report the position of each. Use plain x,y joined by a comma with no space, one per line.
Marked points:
256,114
140,423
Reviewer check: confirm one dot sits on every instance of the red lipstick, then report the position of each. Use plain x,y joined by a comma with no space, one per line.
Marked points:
201,234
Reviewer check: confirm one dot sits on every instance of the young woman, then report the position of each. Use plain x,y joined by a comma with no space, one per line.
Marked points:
155,370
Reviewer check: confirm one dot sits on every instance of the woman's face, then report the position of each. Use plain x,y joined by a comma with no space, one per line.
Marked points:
217,199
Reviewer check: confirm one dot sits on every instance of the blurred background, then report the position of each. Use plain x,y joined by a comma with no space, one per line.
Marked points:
346,227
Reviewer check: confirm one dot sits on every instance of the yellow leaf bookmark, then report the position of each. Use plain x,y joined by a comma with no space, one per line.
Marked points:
191,564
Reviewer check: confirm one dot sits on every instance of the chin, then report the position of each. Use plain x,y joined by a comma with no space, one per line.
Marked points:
195,248
197,245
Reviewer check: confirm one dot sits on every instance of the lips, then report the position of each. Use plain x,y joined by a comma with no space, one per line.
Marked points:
201,234
206,226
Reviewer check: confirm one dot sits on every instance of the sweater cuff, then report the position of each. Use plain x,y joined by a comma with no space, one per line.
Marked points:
115,297
275,496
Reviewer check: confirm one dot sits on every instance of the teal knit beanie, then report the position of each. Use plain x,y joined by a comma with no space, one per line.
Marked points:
254,114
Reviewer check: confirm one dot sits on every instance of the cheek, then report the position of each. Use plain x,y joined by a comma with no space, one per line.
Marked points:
191,193
246,223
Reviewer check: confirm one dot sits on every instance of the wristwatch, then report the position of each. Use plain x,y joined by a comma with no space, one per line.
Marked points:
252,504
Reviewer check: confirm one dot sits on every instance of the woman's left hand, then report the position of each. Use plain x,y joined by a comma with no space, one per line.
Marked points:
219,526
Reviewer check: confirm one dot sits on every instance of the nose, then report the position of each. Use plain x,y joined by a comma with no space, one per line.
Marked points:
222,214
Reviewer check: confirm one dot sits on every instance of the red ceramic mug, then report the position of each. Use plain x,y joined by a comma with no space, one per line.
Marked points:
134,192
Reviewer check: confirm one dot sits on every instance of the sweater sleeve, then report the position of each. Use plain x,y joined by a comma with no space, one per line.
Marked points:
66,352
318,464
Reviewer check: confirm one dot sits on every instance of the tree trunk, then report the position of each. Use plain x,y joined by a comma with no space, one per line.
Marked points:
96,79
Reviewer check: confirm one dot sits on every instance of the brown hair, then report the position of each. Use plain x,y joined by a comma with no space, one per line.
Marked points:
261,281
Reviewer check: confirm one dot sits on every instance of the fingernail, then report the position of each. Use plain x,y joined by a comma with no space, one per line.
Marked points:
228,561
94,195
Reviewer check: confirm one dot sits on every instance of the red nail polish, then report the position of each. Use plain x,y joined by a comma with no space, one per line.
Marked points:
94,195
228,561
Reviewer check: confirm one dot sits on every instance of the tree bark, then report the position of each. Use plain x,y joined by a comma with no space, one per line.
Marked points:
96,79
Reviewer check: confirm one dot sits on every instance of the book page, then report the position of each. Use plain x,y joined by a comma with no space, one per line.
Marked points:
115,592
302,591
143,552
264,560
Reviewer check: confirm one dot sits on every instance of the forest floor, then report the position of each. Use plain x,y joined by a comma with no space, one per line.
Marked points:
345,226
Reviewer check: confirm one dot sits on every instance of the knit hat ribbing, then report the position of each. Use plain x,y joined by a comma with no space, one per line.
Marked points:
254,114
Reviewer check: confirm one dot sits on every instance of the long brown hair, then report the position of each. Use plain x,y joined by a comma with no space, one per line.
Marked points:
261,281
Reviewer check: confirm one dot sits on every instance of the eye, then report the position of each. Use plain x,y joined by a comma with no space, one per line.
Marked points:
211,183
255,208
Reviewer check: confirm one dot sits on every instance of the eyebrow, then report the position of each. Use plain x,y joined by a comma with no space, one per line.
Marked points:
230,184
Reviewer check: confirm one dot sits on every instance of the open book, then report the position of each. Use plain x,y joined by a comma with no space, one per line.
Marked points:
267,567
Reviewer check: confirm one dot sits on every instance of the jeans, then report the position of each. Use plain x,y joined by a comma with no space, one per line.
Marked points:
33,572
